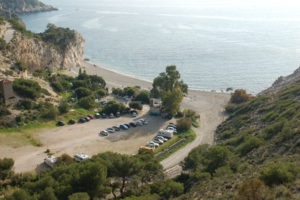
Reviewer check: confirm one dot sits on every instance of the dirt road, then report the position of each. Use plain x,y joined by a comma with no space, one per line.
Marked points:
210,106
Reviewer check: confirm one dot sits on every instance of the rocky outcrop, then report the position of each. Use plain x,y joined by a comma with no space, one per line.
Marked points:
38,54
283,82
24,6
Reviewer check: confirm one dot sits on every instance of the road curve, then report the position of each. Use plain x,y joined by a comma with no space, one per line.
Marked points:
210,106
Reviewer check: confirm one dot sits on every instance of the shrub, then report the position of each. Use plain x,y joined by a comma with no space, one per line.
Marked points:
168,189
143,96
240,96
87,102
136,105
117,91
26,104
6,165
254,189
249,144
79,196
82,92
4,111
49,112
279,173
27,88
184,124
100,93
114,107
63,108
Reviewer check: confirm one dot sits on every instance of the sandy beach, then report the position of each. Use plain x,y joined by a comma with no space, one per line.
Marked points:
85,138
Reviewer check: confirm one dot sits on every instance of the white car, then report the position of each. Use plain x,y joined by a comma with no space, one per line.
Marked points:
152,144
157,140
81,157
50,161
162,138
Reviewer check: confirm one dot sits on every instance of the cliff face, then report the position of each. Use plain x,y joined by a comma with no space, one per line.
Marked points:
25,6
283,82
39,54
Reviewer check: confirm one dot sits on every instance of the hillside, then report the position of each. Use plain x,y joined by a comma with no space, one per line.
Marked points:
257,151
57,48
25,6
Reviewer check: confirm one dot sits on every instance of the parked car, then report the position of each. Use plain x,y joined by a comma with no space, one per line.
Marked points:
110,130
166,133
143,121
111,115
97,116
127,125
90,116
123,127
116,128
60,123
103,133
82,120
153,143
50,161
157,140
162,138
87,119
133,114
132,124
71,121
118,114
140,123
81,157
104,115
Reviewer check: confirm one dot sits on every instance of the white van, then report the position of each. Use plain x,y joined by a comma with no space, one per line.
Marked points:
165,133
81,157
50,161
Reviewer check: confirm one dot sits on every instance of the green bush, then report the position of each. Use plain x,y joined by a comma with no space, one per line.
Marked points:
280,173
26,104
240,96
114,107
143,96
136,105
48,111
249,144
82,92
184,124
100,93
63,108
27,88
79,196
87,102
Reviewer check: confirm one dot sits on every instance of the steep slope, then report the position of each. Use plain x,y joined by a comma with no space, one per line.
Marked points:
25,6
56,48
257,151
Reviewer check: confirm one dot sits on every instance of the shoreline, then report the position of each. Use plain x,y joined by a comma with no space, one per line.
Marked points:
116,78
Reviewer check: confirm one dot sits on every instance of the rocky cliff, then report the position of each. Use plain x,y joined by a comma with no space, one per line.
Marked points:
25,6
37,53
283,82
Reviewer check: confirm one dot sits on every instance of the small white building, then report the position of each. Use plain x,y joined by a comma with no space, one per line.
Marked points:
50,161
155,106
81,157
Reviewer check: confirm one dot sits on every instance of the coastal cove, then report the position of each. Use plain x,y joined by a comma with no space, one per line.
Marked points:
240,46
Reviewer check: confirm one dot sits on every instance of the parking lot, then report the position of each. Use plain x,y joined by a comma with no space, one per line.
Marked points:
84,137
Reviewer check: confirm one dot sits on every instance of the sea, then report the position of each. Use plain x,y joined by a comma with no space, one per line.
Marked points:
215,44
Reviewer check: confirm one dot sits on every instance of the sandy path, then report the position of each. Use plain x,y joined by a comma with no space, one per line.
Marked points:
84,137
210,106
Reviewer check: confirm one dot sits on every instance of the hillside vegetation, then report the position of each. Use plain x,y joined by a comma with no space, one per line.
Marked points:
257,155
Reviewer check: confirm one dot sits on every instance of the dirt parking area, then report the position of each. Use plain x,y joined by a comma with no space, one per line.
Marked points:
72,139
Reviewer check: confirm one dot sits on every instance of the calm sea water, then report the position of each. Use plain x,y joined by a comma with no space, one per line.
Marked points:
214,43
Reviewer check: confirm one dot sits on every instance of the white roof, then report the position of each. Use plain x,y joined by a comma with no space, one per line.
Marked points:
51,159
82,155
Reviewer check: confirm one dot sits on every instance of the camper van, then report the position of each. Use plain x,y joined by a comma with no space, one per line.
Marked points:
165,133
50,161
81,157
